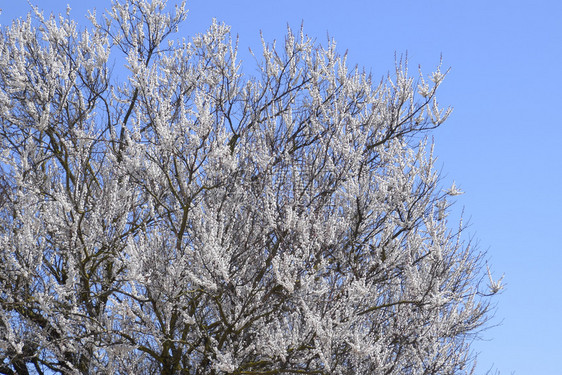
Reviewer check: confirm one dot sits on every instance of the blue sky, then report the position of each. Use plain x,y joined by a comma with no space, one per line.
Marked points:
502,144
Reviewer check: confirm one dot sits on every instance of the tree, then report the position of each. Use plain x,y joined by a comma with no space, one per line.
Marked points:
192,219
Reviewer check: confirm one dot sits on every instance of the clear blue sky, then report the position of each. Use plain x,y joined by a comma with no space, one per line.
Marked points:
502,145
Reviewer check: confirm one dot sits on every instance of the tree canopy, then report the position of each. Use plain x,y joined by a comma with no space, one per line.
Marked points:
195,219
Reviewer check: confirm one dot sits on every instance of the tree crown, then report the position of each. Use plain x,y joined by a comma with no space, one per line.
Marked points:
192,219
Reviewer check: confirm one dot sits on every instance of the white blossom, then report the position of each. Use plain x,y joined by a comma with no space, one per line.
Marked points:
495,286
189,218
454,190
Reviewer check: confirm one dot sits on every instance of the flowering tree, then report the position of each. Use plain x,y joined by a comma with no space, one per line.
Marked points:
193,220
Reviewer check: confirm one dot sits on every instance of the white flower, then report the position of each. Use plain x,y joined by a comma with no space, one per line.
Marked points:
495,286
442,209
454,190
